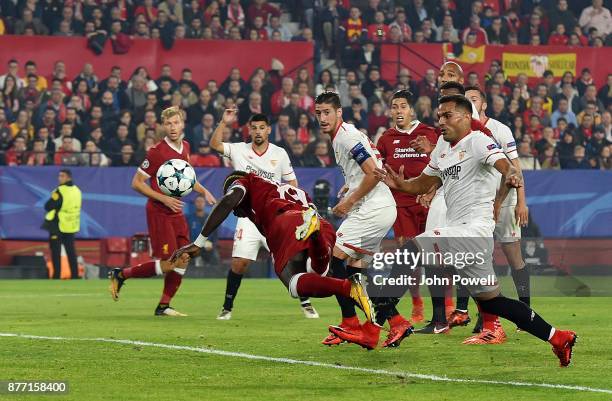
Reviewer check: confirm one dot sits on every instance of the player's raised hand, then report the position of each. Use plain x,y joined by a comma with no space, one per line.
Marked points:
229,115
421,144
174,204
394,180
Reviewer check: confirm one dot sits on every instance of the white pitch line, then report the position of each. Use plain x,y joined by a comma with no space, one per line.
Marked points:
382,372
84,294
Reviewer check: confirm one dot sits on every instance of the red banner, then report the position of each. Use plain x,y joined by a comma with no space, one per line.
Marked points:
208,59
420,57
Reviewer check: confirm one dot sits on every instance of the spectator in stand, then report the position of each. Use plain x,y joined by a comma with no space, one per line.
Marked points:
205,157
561,15
605,93
331,18
596,16
92,156
202,131
16,155
606,125
585,129
549,160
253,106
589,97
38,156
204,106
447,25
126,157
31,69
28,21
10,94
579,161
22,123
147,9
417,12
275,24
558,37
526,159
188,97
378,31
235,13
281,98
497,33
428,86
356,115
297,155
374,86
306,101
476,29
66,155
322,156
352,33
376,118
604,160
563,111
400,22
13,71
590,109
304,132
293,110
424,111
586,79
548,138
596,143
261,8
174,9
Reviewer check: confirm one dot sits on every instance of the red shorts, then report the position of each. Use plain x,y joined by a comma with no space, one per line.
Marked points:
410,221
168,232
284,246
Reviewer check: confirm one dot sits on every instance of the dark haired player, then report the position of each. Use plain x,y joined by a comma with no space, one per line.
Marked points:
464,162
369,211
299,240
168,228
266,160
395,148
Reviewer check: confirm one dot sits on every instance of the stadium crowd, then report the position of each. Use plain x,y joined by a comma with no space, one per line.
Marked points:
111,118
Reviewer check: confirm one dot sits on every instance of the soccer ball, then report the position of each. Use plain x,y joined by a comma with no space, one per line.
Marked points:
176,178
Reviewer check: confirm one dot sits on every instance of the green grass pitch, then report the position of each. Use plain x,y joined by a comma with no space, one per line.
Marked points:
267,322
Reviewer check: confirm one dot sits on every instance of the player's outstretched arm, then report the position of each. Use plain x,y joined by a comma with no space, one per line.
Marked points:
217,215
414,186
139,184
216,140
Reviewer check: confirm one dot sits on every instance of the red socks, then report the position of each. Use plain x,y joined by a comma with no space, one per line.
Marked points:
143,270
172,282
313,285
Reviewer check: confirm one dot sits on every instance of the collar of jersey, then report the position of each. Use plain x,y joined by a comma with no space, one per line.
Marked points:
179,150
416,124
260,154
337,130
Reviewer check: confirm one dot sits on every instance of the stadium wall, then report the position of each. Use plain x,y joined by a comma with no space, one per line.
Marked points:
564,204
208,59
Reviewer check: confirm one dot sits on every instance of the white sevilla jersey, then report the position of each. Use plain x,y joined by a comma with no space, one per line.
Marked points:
505,140
273,164
352,148
468,176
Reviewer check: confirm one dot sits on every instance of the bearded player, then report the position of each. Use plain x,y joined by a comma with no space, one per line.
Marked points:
165,219
464,162
513,214
395,149
266,160
300,241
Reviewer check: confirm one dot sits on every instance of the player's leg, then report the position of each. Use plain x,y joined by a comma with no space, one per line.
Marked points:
460,316
520,272
151,268
409,223
247,241
174,278
528,320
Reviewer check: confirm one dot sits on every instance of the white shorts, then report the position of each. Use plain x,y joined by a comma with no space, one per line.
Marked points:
436,217
247,240
362,232
460,241
507,230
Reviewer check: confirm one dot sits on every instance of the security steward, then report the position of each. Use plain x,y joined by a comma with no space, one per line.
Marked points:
63,221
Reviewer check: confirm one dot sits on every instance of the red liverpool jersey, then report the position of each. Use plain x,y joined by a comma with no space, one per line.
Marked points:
156,156
394,147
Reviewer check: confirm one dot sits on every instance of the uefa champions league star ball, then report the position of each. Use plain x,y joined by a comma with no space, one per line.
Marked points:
176,178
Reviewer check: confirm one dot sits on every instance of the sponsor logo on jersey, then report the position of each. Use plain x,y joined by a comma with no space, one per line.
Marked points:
403,153
451,172
443,155
262,173
396,141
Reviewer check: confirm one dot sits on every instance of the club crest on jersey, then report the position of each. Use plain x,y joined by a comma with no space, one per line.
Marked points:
273,162
461,154
451,172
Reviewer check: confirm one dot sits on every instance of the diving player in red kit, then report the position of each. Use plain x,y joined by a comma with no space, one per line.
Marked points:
300,241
